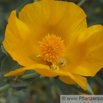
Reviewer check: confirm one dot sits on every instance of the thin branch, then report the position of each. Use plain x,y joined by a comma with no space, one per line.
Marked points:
4,87
29,76
81,2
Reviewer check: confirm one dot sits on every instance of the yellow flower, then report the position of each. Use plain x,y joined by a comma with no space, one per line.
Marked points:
52,38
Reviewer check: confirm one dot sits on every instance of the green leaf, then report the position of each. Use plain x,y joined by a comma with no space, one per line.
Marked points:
23,96
10,97
13,96
20,88
18,85
3,50
2,83
8,64
21,83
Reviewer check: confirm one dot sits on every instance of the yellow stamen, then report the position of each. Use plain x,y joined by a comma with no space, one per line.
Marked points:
54,67
51,48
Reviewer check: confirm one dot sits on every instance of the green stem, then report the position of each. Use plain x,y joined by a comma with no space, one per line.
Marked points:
4,87
81,3
35,0
29,76
58,90
89,90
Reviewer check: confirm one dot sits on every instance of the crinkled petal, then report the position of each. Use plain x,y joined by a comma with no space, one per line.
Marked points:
73,78
19,42
85,54
46,71
41,69
64,19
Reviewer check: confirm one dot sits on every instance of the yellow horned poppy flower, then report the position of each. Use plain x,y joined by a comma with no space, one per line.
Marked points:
52,38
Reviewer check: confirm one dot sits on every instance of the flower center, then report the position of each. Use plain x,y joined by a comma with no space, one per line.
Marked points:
51,48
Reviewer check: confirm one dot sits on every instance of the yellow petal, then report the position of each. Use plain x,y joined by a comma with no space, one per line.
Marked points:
92,64
71,78
19,41
41,69
67,80
44,70
64,19
19,71
85,55
81,81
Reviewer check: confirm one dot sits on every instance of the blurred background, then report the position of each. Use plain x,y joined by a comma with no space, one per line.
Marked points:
44,90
